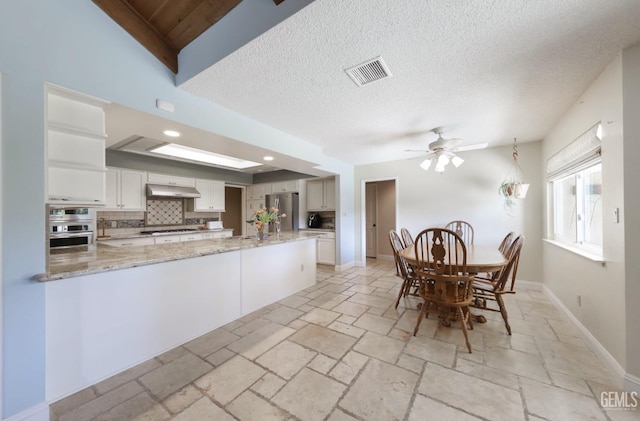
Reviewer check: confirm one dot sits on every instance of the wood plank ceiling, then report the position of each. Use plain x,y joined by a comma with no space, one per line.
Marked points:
164,27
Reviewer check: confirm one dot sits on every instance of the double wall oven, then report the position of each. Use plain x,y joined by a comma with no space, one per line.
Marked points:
71,227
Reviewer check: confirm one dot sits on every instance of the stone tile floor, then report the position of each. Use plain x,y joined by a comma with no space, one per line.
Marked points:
340,351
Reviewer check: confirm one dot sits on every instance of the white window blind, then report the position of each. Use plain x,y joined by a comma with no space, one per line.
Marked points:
581,153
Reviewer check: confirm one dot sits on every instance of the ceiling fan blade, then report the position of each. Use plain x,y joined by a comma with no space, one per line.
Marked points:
471,147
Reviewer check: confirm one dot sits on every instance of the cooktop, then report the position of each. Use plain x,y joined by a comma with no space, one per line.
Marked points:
176,231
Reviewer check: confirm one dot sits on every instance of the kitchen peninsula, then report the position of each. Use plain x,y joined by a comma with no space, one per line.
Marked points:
110,308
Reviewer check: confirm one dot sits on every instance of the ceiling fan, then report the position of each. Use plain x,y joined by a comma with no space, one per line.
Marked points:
444,151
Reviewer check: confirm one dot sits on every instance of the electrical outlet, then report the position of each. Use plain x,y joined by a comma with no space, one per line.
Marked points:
302,267
114,224
579,300
616,215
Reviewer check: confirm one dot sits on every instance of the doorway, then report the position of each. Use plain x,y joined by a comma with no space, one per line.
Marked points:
233,216
371,212
378,217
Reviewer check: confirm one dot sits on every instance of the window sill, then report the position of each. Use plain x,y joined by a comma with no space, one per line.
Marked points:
584,253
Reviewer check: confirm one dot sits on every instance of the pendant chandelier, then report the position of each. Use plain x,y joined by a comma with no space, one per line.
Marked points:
513,186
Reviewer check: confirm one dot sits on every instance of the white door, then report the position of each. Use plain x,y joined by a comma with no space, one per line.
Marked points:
371,204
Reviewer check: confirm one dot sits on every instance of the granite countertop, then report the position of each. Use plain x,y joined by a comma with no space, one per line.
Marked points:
102,258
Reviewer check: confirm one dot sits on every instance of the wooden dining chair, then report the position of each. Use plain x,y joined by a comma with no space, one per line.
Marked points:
487,290
506,242
403,269
407,238
463,229
504,246
445,282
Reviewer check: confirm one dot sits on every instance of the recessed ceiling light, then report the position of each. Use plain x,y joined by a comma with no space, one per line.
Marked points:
193,154
268,158
171,133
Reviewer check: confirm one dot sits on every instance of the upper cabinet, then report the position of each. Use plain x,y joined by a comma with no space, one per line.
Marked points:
258,191
321,195
171,180
286,186
125,190
75,142
212,196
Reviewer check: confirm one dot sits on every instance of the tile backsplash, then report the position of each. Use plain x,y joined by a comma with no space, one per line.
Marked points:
164,212
162,216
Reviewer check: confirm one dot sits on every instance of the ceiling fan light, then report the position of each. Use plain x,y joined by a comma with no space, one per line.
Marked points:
443,160
457,161
439,168
426,164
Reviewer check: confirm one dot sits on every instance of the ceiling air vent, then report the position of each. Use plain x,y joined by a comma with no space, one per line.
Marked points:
369,71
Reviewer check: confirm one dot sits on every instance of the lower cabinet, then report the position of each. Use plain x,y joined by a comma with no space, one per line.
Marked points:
326,253
192,237
129,242
219,234
168,239
164,239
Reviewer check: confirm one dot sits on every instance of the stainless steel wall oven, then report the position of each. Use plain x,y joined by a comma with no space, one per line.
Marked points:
70,227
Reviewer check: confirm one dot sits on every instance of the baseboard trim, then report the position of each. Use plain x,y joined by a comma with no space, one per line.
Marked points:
631,383
530,285
40,412
601,352
342,268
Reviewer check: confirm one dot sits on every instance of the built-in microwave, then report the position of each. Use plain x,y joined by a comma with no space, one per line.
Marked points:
71,227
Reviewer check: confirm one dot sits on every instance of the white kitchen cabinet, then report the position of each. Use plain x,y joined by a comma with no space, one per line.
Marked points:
191,237
129,242
171,180
75,145
258,191
326,250
321,195
212,196
286,186
218,234
125,190
164,239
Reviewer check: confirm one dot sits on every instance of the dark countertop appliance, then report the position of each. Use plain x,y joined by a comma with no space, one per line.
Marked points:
314,221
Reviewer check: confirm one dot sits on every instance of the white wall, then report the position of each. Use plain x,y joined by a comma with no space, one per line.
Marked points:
1,278
566,274
631,208
469,192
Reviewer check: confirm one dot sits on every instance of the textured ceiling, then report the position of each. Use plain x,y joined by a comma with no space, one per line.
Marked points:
486,71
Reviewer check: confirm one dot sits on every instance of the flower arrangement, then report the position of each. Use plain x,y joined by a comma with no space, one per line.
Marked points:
262,218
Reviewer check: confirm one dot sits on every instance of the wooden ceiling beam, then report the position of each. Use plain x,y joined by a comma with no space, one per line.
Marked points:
138,27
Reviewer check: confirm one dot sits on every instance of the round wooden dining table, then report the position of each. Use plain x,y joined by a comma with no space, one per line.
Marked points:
480,258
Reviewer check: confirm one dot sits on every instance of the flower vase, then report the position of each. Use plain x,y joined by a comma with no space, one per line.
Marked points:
263,234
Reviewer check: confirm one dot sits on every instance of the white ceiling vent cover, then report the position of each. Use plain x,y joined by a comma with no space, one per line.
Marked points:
369,71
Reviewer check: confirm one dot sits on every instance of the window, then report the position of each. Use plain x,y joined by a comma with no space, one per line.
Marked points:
578,208
575,178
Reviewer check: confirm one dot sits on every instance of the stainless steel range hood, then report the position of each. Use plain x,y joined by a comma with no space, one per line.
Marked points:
159,190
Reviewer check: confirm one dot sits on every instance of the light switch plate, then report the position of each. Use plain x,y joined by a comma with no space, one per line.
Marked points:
616,215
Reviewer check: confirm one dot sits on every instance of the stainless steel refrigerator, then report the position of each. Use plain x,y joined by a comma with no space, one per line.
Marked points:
287,203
